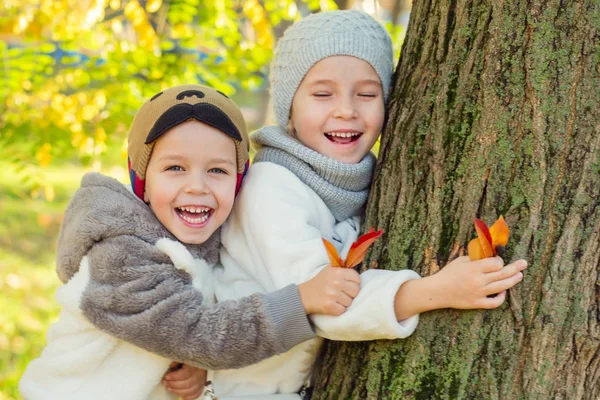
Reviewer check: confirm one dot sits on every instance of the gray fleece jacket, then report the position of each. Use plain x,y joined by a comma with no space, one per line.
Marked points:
134,298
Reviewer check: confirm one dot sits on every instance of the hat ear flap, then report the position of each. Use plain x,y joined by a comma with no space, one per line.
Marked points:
240,177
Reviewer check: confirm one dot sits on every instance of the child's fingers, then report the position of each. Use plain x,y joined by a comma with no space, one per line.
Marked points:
179,375
504,284
344,299
185,384
334,308
490,264
351,288
507,272
191,392
352,276
461,259
492,302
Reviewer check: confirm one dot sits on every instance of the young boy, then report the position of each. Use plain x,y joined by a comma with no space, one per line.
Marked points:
133,296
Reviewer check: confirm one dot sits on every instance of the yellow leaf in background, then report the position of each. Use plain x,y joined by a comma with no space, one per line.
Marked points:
77,138
88,112
43,155
260,23
130,8
76,127
49,192
153,5
292,10
117,26
156,74
182,31
68,101
100,99
115,4
124,150
100,135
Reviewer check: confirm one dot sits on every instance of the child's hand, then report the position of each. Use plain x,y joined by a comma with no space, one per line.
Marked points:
186,382
466,284
330,292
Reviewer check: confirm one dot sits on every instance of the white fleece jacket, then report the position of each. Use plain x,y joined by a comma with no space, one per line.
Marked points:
81,361
274,238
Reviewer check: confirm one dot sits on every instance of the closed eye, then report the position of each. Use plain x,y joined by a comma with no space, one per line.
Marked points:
322,94
369,95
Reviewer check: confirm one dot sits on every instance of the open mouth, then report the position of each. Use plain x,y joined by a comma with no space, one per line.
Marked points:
194,215
343,137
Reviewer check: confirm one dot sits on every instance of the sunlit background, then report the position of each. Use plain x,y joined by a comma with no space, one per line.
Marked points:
73,73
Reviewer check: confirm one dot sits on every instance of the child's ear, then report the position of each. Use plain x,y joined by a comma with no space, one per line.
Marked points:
146,199
290,127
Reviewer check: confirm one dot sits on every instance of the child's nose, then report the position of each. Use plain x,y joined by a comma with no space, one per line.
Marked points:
345,109
197,185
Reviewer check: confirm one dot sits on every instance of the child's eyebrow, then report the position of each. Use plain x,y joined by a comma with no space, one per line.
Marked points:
322,82
171,157
332,82
371,82
177,157
223,160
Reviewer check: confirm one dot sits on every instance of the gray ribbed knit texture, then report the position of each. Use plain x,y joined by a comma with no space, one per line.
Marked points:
318,36
343,187
289,318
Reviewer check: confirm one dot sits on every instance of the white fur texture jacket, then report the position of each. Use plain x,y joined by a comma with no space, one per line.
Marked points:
134,299
274,238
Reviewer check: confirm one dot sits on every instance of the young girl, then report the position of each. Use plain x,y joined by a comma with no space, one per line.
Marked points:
134,297
330,80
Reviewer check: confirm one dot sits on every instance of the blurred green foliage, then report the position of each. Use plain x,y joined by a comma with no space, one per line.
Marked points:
28,235
73,72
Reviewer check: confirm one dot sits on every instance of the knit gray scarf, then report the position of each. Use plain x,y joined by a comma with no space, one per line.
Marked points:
343,187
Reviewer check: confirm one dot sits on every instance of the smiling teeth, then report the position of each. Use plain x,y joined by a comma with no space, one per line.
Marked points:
344,134
195,210
195,220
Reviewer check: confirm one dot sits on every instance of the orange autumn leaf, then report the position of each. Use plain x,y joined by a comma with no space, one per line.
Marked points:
334,257
357,251
499,232
489,242
485,238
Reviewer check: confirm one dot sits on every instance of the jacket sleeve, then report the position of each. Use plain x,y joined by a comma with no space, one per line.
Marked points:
287,246
145,301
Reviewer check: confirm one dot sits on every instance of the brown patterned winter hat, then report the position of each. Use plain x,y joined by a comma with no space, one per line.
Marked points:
174,106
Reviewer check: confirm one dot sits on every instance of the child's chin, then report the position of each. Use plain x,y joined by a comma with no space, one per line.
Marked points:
347,158
193,239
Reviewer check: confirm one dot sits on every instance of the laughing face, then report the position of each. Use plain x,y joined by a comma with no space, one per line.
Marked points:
191,179
338,109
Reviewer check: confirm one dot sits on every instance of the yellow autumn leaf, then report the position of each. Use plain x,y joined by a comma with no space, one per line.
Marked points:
43,155
153,6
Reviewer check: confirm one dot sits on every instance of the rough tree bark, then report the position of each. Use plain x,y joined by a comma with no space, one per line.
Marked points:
495,110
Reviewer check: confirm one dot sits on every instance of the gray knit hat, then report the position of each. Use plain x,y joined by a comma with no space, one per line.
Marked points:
322,35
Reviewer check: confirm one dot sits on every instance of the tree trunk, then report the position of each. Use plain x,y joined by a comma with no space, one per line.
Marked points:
495,111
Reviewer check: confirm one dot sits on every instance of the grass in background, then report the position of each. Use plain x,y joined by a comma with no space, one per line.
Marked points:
29,229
